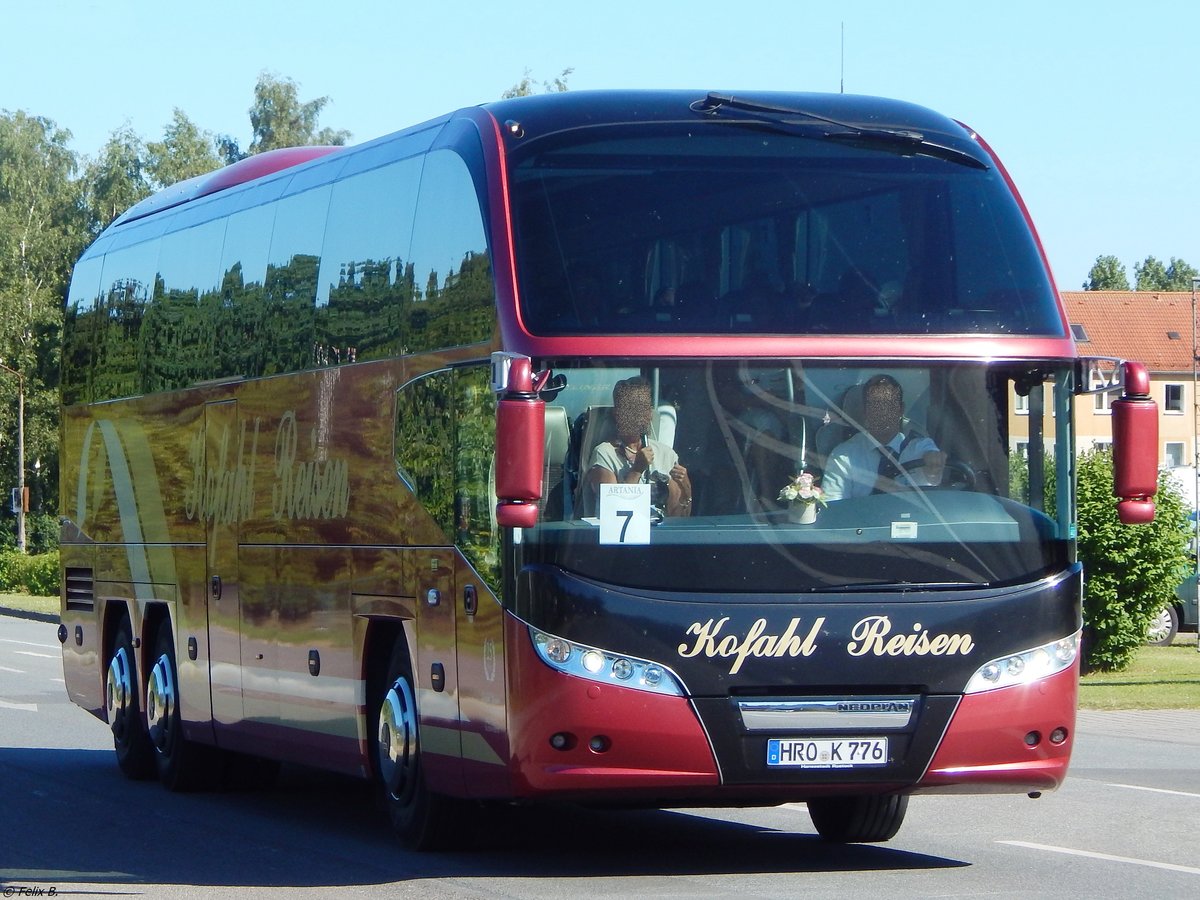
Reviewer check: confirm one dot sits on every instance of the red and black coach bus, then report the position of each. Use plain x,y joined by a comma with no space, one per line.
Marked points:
330,433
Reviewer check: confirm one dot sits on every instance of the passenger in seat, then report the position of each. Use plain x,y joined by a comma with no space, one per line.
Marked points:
632,457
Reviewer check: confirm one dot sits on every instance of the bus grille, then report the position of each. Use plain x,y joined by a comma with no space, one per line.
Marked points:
81,589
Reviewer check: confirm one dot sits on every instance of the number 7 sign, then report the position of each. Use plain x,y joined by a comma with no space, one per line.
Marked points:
624,514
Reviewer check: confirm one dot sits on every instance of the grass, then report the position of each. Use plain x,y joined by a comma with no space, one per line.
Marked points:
1160,678
29,603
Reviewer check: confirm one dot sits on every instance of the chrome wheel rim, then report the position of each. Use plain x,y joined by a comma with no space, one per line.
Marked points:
160,703
397,738
118,689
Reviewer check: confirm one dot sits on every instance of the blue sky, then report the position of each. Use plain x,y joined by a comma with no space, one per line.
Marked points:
1092,107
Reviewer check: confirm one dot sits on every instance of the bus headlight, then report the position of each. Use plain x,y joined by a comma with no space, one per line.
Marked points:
1026,666
604,666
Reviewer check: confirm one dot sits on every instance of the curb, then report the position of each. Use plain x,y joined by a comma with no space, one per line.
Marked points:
32,616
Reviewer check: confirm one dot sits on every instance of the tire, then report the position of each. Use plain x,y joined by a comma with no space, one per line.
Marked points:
1163,627
135,754
858,820
421,819
182,765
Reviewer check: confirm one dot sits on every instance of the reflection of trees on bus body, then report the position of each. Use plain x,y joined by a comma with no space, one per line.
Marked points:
285,287
126,345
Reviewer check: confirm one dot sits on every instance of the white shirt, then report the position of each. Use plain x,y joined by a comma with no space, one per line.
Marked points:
853,466
606,456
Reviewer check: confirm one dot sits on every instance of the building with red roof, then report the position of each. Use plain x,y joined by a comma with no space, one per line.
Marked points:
1156,329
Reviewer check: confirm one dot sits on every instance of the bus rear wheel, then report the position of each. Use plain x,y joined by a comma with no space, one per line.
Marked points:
421,819
858,820
135,754
183,765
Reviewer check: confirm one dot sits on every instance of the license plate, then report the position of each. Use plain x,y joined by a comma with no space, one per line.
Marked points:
828,753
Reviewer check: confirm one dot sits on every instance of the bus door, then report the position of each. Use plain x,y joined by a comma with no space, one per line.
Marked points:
479,617
220,502
435,668
484,715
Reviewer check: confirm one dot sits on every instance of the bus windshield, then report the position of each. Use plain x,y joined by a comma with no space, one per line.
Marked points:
708,228
974,490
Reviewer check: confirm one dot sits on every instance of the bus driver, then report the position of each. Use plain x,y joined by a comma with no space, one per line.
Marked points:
882,458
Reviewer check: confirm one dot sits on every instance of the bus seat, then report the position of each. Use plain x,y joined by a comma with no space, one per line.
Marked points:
663,426
557,440
593,427
843,423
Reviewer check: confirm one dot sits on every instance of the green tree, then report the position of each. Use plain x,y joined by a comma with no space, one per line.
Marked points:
1180,275
279,119
184,152
1130,572
115,180
525,86
42,231
1152,275
1107,274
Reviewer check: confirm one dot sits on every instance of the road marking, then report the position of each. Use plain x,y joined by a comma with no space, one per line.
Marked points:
1172,867
14,671
23,707
28,644
38,655
1138,787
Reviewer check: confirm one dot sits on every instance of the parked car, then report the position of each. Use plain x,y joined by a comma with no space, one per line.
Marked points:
1175,617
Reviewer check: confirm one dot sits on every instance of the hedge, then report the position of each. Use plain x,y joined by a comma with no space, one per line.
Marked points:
21,574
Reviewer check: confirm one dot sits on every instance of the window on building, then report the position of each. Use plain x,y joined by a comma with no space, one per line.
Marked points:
1173,399
1173,454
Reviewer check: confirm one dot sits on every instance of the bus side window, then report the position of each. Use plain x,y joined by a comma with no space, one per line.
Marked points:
475,529
365,287
454,301
445,446
425,434
291,284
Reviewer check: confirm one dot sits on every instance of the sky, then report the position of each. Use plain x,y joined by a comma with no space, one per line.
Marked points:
1090,106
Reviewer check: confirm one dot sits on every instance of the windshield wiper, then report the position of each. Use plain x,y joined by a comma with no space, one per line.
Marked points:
898,586
896,140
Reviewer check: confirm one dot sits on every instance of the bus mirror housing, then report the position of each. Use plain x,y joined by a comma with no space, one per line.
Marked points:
1135,448
520,440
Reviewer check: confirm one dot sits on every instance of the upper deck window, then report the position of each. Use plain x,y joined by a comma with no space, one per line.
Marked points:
710,228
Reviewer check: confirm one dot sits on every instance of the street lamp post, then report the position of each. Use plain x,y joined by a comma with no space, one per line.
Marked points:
20,510
1195,448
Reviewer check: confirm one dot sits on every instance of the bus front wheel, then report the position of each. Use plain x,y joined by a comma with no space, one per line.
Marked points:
422,819
858,820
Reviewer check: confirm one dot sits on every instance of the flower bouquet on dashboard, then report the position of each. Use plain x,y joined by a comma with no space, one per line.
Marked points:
803,496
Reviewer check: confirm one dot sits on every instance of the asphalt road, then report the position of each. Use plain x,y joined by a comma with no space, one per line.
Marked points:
1127,824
